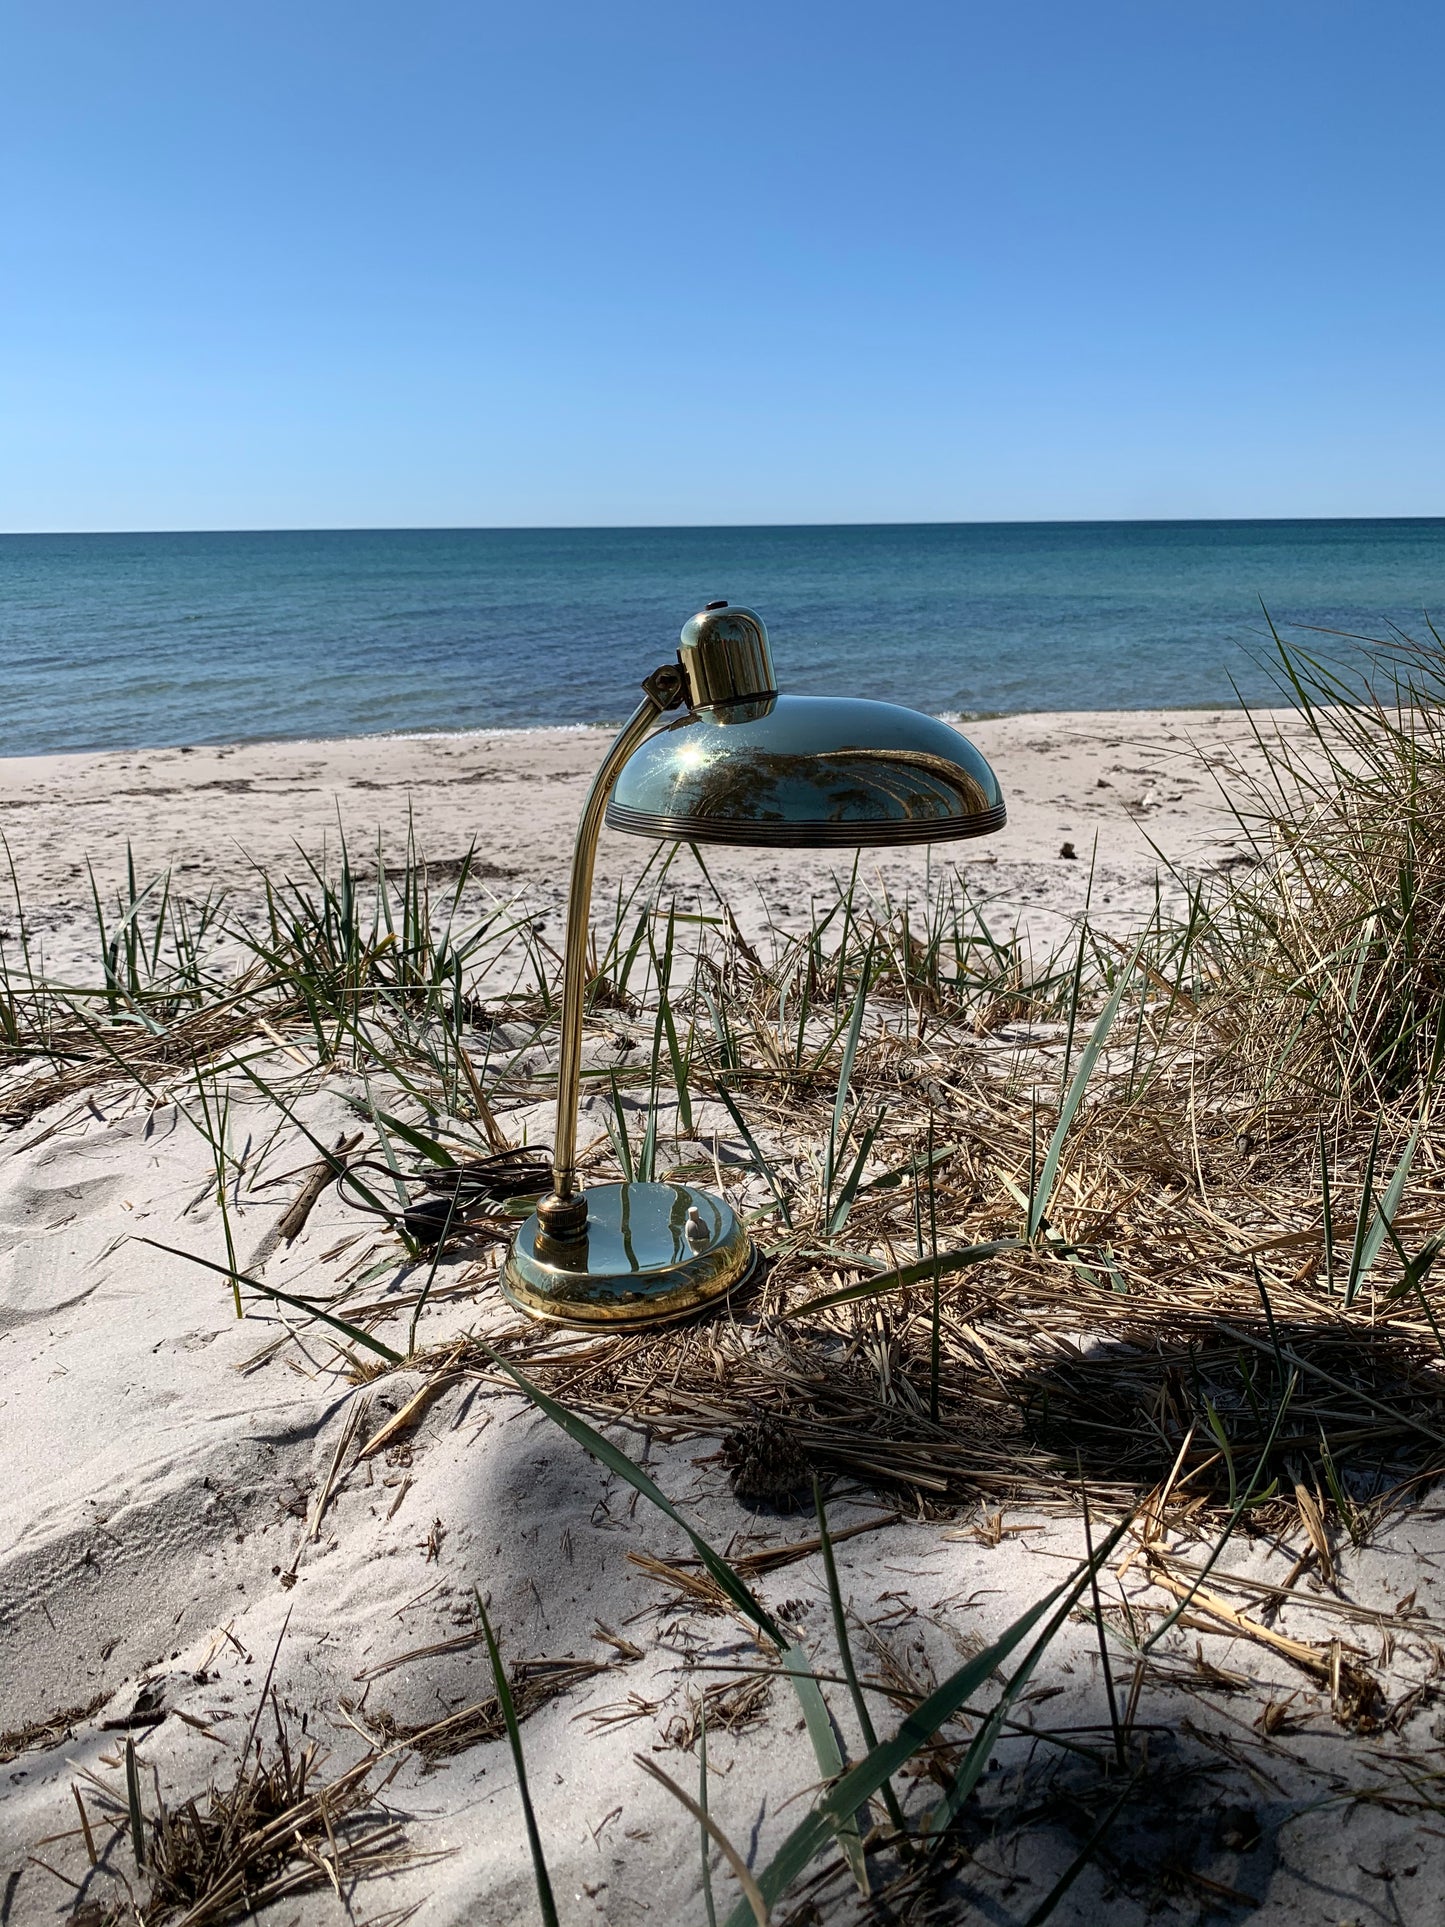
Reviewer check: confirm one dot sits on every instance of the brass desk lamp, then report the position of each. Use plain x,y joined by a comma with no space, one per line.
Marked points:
741,765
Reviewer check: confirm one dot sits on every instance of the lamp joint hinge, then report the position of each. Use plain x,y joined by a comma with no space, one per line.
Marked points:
666,686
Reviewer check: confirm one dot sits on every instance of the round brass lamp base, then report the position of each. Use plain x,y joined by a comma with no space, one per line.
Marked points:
651,1253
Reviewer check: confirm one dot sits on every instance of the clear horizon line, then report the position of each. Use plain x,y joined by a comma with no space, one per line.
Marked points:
606,528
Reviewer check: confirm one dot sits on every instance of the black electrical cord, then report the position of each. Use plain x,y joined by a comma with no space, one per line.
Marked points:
455,1198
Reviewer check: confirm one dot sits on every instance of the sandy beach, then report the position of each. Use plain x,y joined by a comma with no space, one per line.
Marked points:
1113,786
195,1506
896,1387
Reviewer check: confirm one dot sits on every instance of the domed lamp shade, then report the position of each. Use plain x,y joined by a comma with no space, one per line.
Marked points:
746,765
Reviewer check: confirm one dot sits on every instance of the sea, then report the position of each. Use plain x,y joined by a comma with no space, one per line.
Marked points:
122,641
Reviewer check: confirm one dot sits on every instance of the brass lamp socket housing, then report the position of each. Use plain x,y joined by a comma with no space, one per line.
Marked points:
725,657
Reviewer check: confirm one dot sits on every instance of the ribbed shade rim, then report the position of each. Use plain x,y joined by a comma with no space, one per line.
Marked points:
762,834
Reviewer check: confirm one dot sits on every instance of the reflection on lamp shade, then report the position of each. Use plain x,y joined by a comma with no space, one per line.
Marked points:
807,772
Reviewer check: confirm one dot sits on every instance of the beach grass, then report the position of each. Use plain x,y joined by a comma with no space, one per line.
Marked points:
1141,1232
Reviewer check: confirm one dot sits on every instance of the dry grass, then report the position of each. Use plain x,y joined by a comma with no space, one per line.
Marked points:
276,1829
1155,1224
727,1707
1328,990
534,1683
1245,1190
40,1735
1248,1192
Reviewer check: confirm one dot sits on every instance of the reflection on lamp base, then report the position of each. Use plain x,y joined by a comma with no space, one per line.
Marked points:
651,1253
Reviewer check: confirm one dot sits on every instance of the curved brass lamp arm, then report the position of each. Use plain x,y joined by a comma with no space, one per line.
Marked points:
564,1213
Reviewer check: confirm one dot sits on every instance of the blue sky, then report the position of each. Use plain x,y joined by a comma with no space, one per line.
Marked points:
360,264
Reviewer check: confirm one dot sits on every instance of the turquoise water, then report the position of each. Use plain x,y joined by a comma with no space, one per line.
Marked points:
122,640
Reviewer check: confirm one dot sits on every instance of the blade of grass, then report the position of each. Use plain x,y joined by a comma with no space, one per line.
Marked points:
132,1798
353,1332
514,1739
836,1133
647,1155
704,1827
757,1907
1363,1218
810,1698
1329,1228
841,1211
426,1289
1082,1858
826,1751
845,1656
760,1161
935,1295
882,1762
323,1149
1038,1205
617,1131
1385,1215
905,1275
215,1134
418,1140
1236,1513
1107,1669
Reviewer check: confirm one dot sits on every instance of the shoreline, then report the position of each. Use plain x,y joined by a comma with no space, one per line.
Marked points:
959,719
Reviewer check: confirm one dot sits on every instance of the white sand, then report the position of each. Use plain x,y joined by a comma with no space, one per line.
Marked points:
160,1458
212,813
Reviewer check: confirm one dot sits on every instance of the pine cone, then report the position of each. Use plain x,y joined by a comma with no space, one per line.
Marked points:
767,1466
